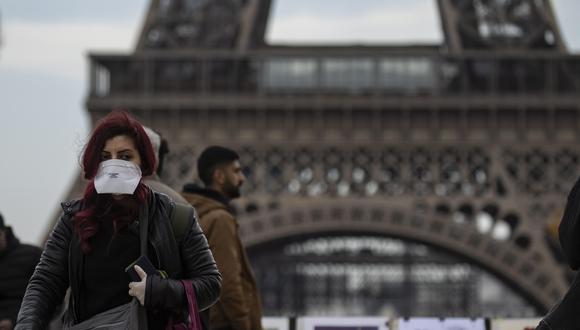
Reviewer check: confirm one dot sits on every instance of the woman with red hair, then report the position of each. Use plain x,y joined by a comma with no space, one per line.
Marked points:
98,236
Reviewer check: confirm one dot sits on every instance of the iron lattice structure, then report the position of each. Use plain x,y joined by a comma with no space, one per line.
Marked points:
501,25
464,151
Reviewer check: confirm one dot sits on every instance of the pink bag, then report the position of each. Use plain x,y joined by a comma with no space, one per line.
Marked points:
194,320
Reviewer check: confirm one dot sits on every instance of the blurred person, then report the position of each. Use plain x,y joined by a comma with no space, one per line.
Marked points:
17,262
98,236
564,314
239,306
160,149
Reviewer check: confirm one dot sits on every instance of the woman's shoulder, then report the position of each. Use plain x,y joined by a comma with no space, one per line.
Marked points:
162,204
71,207
161,199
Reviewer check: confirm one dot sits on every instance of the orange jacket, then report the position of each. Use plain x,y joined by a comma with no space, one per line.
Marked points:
239,305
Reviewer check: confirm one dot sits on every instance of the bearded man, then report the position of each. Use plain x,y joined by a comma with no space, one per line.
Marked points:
239,304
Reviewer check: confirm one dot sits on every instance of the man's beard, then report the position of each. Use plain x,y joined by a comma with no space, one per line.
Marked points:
231,191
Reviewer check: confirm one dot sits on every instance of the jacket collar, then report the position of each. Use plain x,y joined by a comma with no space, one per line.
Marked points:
192,188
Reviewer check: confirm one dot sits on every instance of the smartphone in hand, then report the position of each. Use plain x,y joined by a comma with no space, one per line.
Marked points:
145,264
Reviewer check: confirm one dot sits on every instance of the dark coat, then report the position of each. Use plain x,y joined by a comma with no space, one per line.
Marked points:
58,268
564,315
17,264
239,306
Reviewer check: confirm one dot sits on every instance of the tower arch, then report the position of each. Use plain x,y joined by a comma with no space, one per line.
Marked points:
526,271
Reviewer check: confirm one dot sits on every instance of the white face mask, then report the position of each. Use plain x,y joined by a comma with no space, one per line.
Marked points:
117,176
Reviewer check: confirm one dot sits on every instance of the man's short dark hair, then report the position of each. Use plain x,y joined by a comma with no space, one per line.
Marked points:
211,158
1,222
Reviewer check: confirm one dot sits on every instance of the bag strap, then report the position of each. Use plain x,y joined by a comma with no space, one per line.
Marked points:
194,320
144,228
180,219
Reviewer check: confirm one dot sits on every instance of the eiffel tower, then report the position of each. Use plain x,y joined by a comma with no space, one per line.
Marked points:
414,180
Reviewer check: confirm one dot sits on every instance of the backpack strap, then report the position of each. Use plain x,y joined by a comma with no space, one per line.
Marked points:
180,219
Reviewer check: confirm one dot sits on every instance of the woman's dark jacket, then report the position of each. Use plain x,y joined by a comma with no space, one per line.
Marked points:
58,268
565,315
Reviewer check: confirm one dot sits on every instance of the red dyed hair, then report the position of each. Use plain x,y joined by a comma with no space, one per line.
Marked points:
102,207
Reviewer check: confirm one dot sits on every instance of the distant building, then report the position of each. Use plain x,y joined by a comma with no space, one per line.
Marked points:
415,180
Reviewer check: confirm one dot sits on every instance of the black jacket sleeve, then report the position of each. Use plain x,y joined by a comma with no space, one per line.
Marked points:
48,284
569,229
199,269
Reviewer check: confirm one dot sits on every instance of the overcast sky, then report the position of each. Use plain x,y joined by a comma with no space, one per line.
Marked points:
43,76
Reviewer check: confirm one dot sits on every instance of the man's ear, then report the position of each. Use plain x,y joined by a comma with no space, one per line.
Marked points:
218,176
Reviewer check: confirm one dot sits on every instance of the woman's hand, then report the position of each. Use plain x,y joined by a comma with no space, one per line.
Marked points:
137,289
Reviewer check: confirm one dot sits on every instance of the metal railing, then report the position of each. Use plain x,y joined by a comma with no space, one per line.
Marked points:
319,72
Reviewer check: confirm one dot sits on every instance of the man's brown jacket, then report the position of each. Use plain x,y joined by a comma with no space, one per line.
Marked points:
239,304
